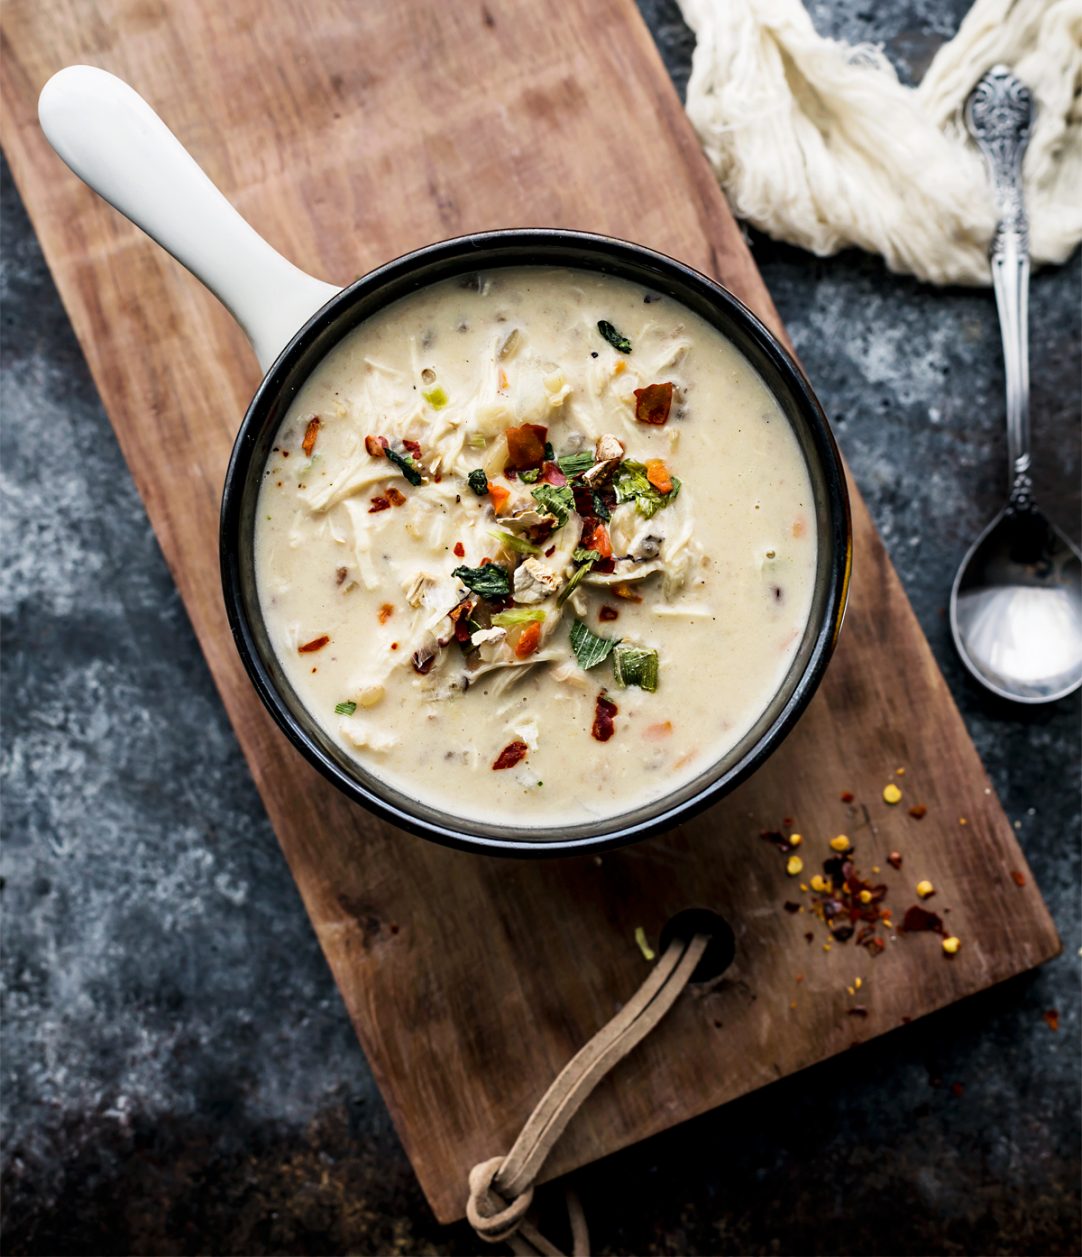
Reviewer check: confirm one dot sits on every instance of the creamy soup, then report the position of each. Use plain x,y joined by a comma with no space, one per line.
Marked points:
536,548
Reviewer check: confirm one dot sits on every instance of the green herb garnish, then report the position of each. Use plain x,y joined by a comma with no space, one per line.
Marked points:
517,615
613,337
478,482
558,500
435,397
346,709
585,556
600,509
590,650
530,476
550,453
635,665
490,581
406,464
513,542
575,464
631,485
577,577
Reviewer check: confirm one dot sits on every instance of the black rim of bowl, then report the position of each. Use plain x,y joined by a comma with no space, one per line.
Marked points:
461,257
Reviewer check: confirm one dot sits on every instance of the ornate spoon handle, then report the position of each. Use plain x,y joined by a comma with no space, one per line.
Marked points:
999,114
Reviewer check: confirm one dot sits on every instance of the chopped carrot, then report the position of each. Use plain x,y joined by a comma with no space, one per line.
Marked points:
528,641
598,539
310,434
654,733
499,496
658,475
526,446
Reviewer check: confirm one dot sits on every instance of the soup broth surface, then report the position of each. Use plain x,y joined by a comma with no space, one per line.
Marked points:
537,547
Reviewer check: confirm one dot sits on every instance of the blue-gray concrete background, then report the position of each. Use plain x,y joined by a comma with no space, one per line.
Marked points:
178,1072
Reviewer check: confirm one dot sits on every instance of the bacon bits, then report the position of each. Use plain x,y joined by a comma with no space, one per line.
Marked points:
385,612
605,712
317,643
551,474
512,754
375,445
379,504
526,446
310,434
395,496
412,447
653,403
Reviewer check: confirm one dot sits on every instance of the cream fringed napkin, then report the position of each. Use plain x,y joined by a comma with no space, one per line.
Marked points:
818,143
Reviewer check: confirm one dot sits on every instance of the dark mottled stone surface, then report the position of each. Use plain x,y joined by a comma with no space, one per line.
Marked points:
178,1071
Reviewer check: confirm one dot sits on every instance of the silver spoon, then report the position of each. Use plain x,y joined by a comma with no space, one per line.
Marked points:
1016,605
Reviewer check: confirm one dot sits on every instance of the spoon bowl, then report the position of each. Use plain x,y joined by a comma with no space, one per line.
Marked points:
1016,608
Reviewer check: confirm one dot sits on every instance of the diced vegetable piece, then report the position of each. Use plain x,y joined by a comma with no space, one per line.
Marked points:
558,500
310,434
577,577
478,482
529,640
631,485
582,555
597,539
530,476
345,709
658,475
435,397
490,581
526,446
635,665
499,495
405,464
519,544
590,650
575,464
652,404
375,445
614,338
517,615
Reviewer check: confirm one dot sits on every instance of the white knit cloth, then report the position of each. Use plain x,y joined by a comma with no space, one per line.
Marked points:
818,143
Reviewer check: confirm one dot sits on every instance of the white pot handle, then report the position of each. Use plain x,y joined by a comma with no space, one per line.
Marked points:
117,144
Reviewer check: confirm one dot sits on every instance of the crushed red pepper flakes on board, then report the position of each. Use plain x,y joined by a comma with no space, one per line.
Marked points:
917,920
847,796
317,643
1051,1018
512,754
918,812
605,711
1019,879
894,860
310,434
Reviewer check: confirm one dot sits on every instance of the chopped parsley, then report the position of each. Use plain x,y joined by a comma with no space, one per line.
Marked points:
590,650
631,485
558,500
600,509
406,464
585,556
614,338
635,665
575,464
550,453
490,581
346,709
478,482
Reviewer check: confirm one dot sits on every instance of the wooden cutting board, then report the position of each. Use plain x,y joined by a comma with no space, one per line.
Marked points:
348,134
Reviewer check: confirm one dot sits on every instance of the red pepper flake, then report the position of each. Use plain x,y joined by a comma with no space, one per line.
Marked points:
394,645
847,796
310,434
394,496
917,919
607,612
379,504
511,754
918,812
317,643
1051,1018
550,552
1019,879
385,612
340,574
412,447
652,404
809,937
894,860
422,663
375,445
460,617
526,446
625,591
604,718
460,550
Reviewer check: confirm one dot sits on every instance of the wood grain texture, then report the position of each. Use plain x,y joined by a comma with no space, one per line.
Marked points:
347,135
